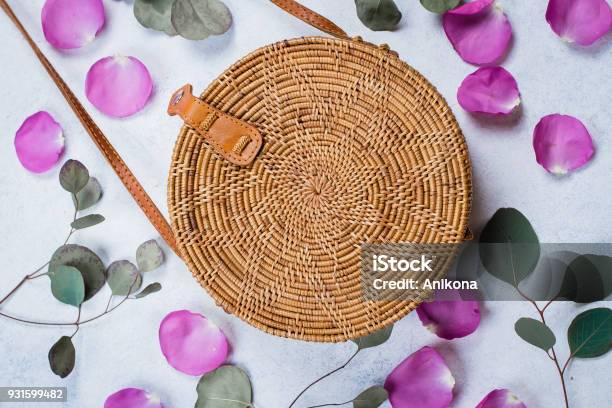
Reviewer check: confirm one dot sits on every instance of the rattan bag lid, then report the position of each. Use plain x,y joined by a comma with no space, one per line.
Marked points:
358,148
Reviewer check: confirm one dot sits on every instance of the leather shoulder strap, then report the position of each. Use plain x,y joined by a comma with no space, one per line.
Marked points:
310,17
127,177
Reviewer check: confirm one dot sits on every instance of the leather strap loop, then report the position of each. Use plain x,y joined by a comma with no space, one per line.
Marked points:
125,175
310,17
235,140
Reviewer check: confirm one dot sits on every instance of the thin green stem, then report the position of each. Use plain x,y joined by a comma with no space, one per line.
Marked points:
91,319
77,322
334,404
323,377
550,302
541,311
246,404
561,376
33,275
569,359
39,275
76,206
8,295
553,355
110,298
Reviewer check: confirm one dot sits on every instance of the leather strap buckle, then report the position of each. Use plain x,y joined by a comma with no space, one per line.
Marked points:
235,140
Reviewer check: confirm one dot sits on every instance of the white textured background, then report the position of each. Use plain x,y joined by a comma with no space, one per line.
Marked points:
121,350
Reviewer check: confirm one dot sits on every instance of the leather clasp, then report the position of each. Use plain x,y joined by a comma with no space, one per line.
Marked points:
235,140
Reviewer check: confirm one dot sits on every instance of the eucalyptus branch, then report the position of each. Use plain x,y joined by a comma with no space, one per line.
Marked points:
588,335
68,279
553,354
325,376
541,311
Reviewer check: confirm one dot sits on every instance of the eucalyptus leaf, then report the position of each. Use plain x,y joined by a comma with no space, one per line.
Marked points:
535,333
374,339
67,285
513,261
373,397
587,279
73,176
590,334
123,278
198,19
88,195
62,356
440,6
226,387
149,256
86,261
378,15
87,221
151,288
155,14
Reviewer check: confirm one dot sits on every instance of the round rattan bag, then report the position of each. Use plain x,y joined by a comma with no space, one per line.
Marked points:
358,147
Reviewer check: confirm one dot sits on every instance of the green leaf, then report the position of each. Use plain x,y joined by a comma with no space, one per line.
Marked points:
585,279
88,195
198,19
590,334
86,261
149,256
374,339
87,221
73,176
151,288
439,6
226,387
123,278
155,14
535,333
378,15
67,285
62,356
373,397
518,257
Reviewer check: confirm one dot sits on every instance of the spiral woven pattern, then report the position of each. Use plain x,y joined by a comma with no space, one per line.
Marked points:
358,148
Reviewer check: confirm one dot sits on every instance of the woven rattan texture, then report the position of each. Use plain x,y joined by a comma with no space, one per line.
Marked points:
358,147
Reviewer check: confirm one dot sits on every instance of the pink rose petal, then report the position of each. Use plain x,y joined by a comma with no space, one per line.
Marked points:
132,398
72,23
450,319
489,90
39,142
501,399
579,21
479,31
422,380
118,86
191,343
562,143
